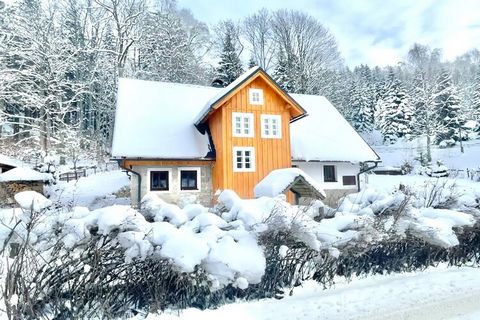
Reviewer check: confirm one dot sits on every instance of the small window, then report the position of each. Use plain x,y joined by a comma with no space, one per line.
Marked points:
271,126
188,180
329,174
349,180
256,96
244,159
159,181
242,124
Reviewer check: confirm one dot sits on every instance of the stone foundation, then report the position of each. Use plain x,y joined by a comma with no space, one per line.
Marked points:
203,196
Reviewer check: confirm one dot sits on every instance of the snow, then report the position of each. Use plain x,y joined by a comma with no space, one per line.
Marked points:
277,182
437,293
93,191
162,116
325,135
24,174
11,161
32,200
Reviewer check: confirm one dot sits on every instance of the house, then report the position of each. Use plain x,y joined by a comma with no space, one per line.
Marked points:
186,141
8,163
21,179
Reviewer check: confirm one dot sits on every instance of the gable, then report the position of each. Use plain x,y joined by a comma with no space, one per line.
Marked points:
253,76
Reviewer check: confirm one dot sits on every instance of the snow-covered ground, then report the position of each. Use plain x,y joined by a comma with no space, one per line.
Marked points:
438,293
453,158
94,191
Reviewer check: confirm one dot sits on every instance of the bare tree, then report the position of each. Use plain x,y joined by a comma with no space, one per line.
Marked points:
305,40
125,15
257,29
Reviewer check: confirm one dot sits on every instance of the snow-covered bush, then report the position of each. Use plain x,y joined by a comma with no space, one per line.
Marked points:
108,261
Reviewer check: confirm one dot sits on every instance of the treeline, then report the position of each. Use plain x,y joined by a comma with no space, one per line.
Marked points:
60,61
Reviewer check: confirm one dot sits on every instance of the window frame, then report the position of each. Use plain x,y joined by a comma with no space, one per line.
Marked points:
252,159
199,181
263,121
242,116
251,94
169,179
334,173
349,184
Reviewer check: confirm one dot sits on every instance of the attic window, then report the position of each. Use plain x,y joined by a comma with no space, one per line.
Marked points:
256,96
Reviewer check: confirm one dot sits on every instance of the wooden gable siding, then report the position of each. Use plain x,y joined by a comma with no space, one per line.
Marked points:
270,154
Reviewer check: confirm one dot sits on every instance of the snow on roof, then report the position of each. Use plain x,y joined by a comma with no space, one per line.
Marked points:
11,162
278,181
325,135
224,91
24,174
156,120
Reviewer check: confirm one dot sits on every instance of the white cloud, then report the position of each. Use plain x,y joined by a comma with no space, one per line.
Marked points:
375,32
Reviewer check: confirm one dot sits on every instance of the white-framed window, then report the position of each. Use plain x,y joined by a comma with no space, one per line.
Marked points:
189,178
243,159
256,96
271,126
242,124
159,179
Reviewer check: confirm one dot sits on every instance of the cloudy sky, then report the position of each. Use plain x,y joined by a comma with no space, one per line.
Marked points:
375,32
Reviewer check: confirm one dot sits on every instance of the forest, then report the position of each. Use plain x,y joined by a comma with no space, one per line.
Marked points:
60,62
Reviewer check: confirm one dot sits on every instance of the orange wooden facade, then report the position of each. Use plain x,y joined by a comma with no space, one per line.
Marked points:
270,153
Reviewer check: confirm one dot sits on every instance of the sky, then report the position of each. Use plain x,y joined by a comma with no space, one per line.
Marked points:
373,32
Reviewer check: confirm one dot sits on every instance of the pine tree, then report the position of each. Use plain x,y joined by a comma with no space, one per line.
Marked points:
476,96
281,73
447,105
251,62
395,113
230,67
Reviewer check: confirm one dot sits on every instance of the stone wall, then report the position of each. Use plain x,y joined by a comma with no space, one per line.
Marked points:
333,195
9,189
203,196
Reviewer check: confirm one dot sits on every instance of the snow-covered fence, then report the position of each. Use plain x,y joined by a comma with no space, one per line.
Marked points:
471,174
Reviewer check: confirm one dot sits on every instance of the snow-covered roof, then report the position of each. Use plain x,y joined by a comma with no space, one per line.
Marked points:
24,174
10,161
325,135
280,180
156,120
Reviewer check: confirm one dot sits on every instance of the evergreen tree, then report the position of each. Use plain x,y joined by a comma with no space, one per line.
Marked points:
283,74
476,96
395,113
230,67
447,105
251,62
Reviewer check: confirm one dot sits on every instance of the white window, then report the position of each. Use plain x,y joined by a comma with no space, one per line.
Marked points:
159,179
244,159
242,124
256,96
271,126
189,178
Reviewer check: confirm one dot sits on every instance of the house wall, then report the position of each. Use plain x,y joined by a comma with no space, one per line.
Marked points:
203,196
334,190
270,154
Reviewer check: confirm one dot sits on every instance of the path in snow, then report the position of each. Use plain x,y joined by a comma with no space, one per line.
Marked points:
434,294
